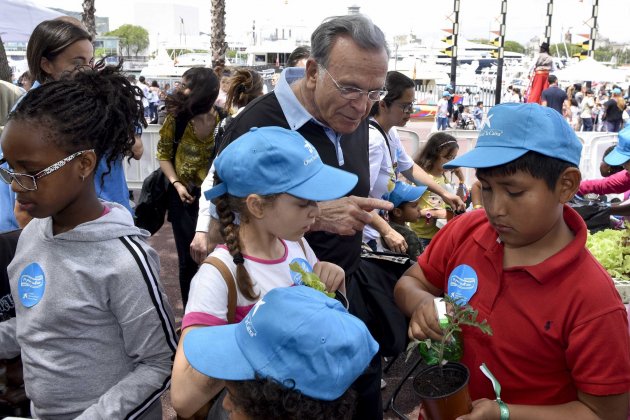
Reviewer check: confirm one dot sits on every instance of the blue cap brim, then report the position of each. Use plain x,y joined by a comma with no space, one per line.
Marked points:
215,191
615,158
420,189
327,184
214,352
486,157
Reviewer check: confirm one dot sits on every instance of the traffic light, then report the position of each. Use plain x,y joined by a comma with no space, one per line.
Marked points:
448,40
448,51
496,41
584,46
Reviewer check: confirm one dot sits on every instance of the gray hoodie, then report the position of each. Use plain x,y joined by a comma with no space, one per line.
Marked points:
92,322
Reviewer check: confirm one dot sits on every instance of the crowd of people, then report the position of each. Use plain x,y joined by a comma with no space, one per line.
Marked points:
273,197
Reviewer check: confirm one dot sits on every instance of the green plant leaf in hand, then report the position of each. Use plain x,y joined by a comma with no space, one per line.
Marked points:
310,279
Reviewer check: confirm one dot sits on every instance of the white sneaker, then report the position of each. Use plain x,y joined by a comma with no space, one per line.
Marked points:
383,384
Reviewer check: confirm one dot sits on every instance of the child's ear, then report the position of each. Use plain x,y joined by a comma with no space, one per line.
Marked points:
568,184
255,206
87,164
397,212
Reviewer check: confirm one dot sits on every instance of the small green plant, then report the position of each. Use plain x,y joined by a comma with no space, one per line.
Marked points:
310,279
449,348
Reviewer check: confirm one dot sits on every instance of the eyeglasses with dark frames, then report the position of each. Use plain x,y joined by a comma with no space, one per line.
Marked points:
352,93
406,108
29,182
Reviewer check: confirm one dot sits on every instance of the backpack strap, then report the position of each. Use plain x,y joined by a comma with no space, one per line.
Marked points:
231,285
301,242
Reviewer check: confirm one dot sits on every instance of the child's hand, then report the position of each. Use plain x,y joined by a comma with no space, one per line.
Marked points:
424,323
395,241
483,409
331,275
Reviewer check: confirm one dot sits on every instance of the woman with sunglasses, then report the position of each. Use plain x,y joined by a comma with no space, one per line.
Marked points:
388,159
92,322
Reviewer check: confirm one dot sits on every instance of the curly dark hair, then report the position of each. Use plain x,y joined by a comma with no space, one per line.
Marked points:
267,399
437,144
94,108
204,89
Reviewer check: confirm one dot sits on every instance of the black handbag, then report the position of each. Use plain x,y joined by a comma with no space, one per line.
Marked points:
153,202
595,212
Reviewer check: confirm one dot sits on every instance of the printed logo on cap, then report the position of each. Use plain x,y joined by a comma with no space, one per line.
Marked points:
462,284
306,267
31,285
313,154
252,313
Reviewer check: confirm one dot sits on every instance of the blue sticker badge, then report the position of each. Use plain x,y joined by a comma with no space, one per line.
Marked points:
297,277
462,283
31,285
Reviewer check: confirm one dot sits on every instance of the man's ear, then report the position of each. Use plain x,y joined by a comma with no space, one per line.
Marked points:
568,184
312,73
255,206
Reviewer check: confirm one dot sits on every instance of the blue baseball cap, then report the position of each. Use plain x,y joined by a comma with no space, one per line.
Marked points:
621,153
405,193
274,160
616,91
293,334
513,129
446,93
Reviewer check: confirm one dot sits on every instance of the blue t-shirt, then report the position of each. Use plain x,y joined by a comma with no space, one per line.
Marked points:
114,188
555,97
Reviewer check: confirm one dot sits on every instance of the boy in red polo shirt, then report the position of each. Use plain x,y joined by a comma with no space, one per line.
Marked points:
560,347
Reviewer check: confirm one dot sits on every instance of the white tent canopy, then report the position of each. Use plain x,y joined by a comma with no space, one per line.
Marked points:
18,18
590,70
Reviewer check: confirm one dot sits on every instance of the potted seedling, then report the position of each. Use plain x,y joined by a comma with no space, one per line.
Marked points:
443,386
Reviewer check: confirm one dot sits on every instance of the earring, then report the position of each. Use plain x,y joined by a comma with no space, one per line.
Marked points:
82,178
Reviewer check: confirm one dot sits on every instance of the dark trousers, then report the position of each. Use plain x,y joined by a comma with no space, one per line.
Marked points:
370,292
183,218
587,124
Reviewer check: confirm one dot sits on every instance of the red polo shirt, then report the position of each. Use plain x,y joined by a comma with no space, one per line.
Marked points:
559,326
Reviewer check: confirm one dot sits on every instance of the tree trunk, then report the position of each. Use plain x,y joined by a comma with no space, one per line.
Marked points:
5,70
217,39
88,17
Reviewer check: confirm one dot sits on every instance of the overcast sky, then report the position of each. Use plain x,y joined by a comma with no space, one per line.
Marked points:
425,18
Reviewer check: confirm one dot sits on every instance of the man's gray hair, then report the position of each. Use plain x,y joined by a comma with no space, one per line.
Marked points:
359,27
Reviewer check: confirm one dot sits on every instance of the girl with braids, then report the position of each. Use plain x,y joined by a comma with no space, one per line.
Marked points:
185,160
272,177
92,322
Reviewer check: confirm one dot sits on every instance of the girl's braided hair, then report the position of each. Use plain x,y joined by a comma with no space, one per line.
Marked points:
93,108
226,206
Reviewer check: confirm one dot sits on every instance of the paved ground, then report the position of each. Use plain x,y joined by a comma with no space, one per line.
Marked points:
164,244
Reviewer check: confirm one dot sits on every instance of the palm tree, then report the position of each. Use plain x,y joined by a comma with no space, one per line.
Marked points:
217,37
5,70
88,17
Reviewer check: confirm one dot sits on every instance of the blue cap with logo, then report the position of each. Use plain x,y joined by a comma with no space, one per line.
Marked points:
621,153
405,193
293,335
274,160
511,130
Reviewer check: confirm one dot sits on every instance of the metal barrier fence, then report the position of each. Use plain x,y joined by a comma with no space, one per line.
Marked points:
594,146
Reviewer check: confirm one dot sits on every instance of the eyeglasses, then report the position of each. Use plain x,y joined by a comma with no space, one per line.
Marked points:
352,93
28,182
406,108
